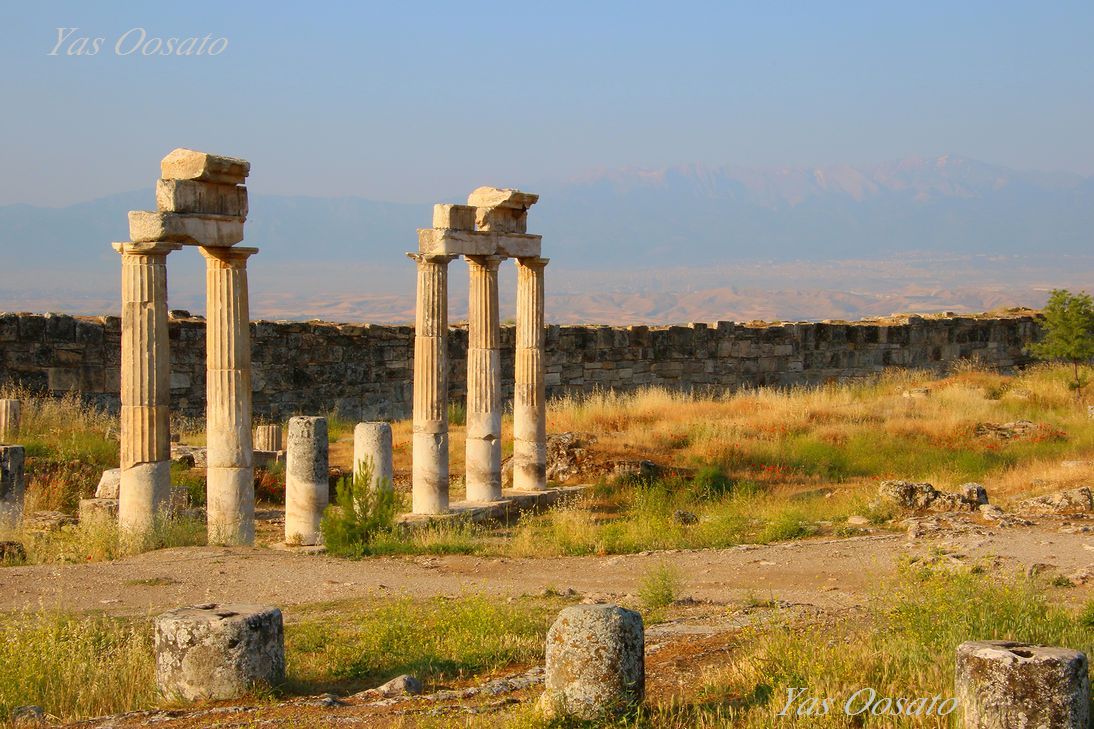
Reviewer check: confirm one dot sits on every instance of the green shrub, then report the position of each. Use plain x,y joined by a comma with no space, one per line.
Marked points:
659,587
359,514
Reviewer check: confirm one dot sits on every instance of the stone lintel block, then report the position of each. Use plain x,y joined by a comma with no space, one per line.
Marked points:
501,197
195,196
218,652
188,164
455,217
211,231
446,242
501,210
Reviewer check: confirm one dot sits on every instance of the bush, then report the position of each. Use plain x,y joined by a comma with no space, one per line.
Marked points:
359,514
659,587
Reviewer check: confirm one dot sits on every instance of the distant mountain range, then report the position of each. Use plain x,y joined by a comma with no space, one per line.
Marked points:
686,218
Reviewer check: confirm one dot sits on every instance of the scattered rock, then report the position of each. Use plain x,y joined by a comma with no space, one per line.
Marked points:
684,517
641,470
1084,576
1038,568
992,513
856,520
404,685
1007,431
46,521
567,457
974,493
28,716
1064,502
917,392
104,510
109,484
189,456
923,496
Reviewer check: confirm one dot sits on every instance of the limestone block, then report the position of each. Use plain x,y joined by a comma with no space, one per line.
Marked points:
268,438
10,411
211,231
502,210
1002,684
307,488
109,484
595,662
372,443
457,217
450,242
218,651
12,478
194,196
188,164
101,511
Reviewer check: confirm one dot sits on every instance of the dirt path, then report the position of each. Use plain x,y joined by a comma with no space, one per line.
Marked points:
829,574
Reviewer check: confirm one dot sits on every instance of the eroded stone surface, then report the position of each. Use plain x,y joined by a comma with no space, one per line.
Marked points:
196,197
218,651
923,496
1007,685
12,476
1065,502
98,510
188,164
109,484
595,662
200,230
307,488
372,444
10,411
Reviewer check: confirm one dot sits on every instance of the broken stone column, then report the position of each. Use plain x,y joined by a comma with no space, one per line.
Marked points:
1003,684
372,444
483,446
268,438
145,385
430,438
10,411
12,478
217,652
595,662
307,484
529,399
230,475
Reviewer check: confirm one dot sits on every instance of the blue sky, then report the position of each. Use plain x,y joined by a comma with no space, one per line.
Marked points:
418,101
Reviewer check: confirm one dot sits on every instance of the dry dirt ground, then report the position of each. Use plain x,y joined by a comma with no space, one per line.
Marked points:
813,578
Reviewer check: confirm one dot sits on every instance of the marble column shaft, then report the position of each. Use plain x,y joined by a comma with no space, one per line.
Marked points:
230,473
430,438
483,445
372,445
529,400
307,481
145,488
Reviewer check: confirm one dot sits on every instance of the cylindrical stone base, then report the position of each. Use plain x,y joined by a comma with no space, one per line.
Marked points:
372,445
595,662
268,438
1002,684
482,456
144,495
307,485
430,473
230,505
12,477
10,411
218,651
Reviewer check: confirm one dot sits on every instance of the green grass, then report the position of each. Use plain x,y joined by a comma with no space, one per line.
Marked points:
100,540
659,589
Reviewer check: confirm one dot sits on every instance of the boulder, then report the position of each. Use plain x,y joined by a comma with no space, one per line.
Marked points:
103,511
925,497
1079,500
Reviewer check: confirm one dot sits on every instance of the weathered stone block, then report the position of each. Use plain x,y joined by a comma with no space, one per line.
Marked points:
10,412
218,651
501,210
268,438
194,196
456,217
109,484
595,662
101,511
188,164
449,242
12,478
1003,684
201,230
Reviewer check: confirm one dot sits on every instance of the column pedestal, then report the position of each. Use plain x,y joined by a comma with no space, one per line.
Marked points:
230,472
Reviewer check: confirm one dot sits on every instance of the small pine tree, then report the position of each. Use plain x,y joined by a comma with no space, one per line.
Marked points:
1068,323
358,513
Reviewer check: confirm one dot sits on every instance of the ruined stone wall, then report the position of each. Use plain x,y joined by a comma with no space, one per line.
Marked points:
365,371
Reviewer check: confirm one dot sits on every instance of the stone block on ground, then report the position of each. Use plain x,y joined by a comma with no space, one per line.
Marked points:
109,484
218,652
1004,685
1080,500
12,474
97,510
595,662
42,522
189,164
10,413
201,230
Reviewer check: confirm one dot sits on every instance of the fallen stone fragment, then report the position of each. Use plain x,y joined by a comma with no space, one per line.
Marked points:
1079,500
46,521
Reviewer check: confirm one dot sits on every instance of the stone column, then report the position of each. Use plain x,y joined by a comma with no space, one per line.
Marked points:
268,438
307,479
372,444
529,401
145,489
9,419
230,499
483,453
430,440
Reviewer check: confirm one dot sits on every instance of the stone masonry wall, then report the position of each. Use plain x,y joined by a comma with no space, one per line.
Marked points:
365,371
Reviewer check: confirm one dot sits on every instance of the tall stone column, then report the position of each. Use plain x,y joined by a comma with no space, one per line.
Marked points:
483,451
230,502
145,488
430,440
529,401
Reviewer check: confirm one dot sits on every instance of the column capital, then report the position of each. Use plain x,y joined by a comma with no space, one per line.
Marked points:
153,248
490,263
230,256
533,262
421,258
